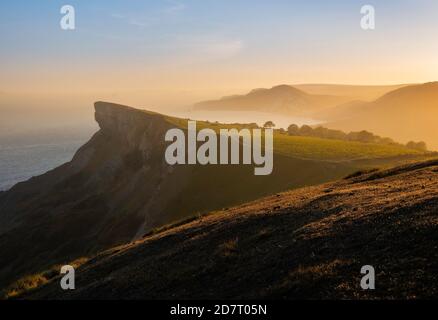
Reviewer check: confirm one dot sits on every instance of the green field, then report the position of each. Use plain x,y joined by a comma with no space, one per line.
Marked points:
327,149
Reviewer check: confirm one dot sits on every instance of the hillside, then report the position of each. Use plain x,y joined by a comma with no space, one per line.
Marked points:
282,99
304,244
408,113
118,187
353,92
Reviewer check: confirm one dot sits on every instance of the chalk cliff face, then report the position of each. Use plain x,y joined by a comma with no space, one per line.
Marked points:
128,144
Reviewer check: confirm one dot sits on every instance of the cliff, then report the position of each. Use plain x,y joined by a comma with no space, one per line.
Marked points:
101,198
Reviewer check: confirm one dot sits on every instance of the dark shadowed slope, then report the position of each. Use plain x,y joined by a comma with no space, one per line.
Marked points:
309,243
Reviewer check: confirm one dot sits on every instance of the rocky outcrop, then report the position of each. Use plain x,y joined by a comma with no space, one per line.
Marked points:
99,199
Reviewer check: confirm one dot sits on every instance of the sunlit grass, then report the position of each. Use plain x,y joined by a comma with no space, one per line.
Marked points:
328,149
25,284
34,281
229,247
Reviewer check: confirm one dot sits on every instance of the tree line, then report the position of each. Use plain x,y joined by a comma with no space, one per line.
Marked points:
360,136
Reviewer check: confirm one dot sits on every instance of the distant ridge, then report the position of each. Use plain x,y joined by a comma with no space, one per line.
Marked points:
282,99
353,92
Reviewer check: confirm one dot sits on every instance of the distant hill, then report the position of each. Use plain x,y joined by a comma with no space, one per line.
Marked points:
352,92
118,187
297,100
305,244
279,99
408,113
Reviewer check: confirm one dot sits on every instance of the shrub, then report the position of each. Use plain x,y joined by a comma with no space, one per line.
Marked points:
229,247
421,146
293,130
269,124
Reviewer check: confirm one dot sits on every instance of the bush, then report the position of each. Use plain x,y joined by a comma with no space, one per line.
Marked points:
306,130
293,130
421,146
269,124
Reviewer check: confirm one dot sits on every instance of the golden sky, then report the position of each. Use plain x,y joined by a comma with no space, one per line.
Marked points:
170,52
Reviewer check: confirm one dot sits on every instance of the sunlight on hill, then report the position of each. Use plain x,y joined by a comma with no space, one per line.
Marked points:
325,149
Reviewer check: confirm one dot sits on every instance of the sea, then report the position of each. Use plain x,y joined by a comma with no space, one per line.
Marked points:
24,155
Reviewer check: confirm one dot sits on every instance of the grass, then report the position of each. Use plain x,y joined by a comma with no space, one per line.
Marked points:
230,260
327,149
360,173
229,247
34,281
298,162
172,225
25,284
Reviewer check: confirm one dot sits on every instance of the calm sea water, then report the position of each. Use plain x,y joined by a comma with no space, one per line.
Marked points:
25,155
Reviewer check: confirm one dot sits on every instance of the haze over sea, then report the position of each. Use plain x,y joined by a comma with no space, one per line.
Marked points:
24,155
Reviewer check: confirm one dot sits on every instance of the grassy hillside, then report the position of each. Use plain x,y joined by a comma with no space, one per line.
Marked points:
298,162
335,150
305,244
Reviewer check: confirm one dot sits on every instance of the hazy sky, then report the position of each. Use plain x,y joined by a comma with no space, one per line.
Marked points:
209,47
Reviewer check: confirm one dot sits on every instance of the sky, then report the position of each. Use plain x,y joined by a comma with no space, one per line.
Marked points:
176,51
